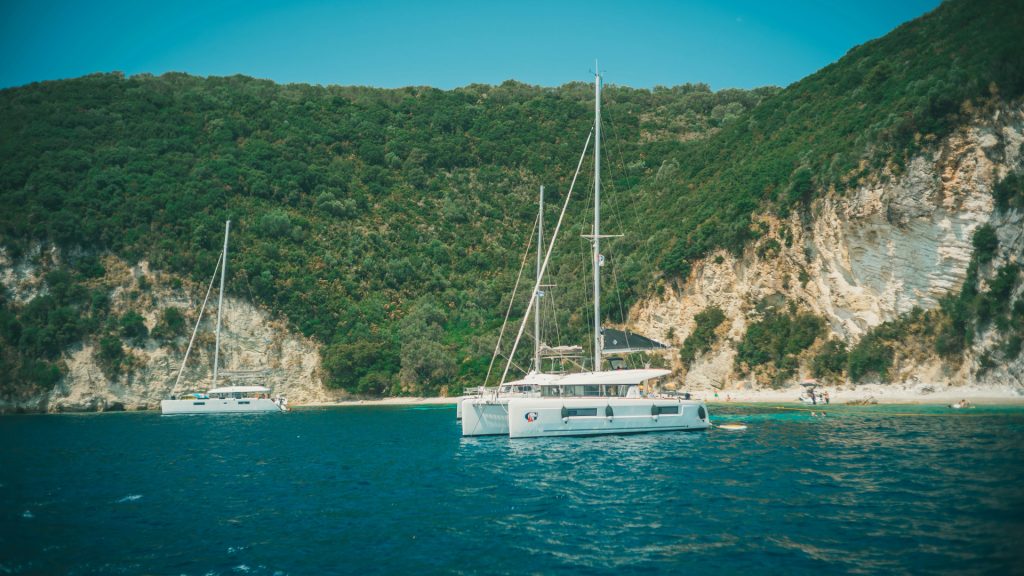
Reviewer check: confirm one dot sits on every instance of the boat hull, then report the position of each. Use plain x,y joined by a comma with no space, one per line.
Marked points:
538,417
485,416
219,406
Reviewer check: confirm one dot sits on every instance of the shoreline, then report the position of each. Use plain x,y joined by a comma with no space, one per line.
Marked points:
838,395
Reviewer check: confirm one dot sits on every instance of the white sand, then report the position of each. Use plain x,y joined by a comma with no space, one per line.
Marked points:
392,401
881,393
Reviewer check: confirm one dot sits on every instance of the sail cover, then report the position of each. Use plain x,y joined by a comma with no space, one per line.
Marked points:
625,342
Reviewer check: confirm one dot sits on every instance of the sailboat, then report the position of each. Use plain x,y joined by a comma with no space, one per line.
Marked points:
599,402
486,412
223,399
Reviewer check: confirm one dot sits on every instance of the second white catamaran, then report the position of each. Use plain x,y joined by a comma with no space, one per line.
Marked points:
583,403
224,399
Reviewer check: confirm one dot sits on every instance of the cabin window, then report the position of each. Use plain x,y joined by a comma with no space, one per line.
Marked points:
243,401
199,403
575,390
668,409
581,412
549,391
591,390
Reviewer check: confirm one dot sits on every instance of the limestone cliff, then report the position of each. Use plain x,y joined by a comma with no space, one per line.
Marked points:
255,348
865,257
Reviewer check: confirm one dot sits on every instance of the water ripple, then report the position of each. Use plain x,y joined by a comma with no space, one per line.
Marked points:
392,490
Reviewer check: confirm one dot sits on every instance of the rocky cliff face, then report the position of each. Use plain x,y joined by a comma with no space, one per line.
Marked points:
901,241
255,348
865,257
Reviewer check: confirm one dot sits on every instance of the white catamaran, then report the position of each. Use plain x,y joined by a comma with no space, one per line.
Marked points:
485,413
225,399
597,402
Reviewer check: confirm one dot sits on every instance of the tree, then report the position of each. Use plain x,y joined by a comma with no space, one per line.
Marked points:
170,326
110,356
985,243
703,336
133,327
831,360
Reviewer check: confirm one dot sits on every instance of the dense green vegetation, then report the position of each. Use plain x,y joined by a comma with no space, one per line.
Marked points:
830,361
873,108
1009,192
703,336
773,343
387,224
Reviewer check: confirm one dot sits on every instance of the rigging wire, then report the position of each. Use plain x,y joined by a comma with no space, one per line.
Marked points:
547,256
198,320
512,299
645,241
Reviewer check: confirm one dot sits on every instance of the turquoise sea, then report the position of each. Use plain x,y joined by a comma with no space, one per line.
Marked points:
396,490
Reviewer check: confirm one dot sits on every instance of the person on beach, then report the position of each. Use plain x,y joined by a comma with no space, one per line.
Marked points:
825,395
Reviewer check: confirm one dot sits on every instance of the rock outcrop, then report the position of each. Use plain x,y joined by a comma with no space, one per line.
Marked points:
865,257
255,348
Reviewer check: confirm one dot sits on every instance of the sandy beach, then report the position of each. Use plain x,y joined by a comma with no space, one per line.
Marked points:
880,394
391,401
865,393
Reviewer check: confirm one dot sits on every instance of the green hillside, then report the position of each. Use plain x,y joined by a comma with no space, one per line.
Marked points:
389,224
873,108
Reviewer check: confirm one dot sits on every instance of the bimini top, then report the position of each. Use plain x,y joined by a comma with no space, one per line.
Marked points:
235,389
621,377
625,342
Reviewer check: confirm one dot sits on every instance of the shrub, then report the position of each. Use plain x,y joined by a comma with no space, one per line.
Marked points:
778,338
872,356
1009,193
985,243
703,336
170,326
134,328
831,360
110,356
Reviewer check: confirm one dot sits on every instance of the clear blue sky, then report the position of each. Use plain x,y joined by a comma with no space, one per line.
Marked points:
391,43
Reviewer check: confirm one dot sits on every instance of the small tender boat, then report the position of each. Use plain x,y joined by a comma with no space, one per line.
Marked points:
809,395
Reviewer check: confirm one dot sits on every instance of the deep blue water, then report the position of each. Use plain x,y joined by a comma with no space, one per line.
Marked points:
398,491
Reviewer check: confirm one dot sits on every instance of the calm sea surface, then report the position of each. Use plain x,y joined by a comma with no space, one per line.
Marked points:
398,491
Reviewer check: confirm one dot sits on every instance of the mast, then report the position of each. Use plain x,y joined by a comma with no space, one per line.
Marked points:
536,310
597,220
220,301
